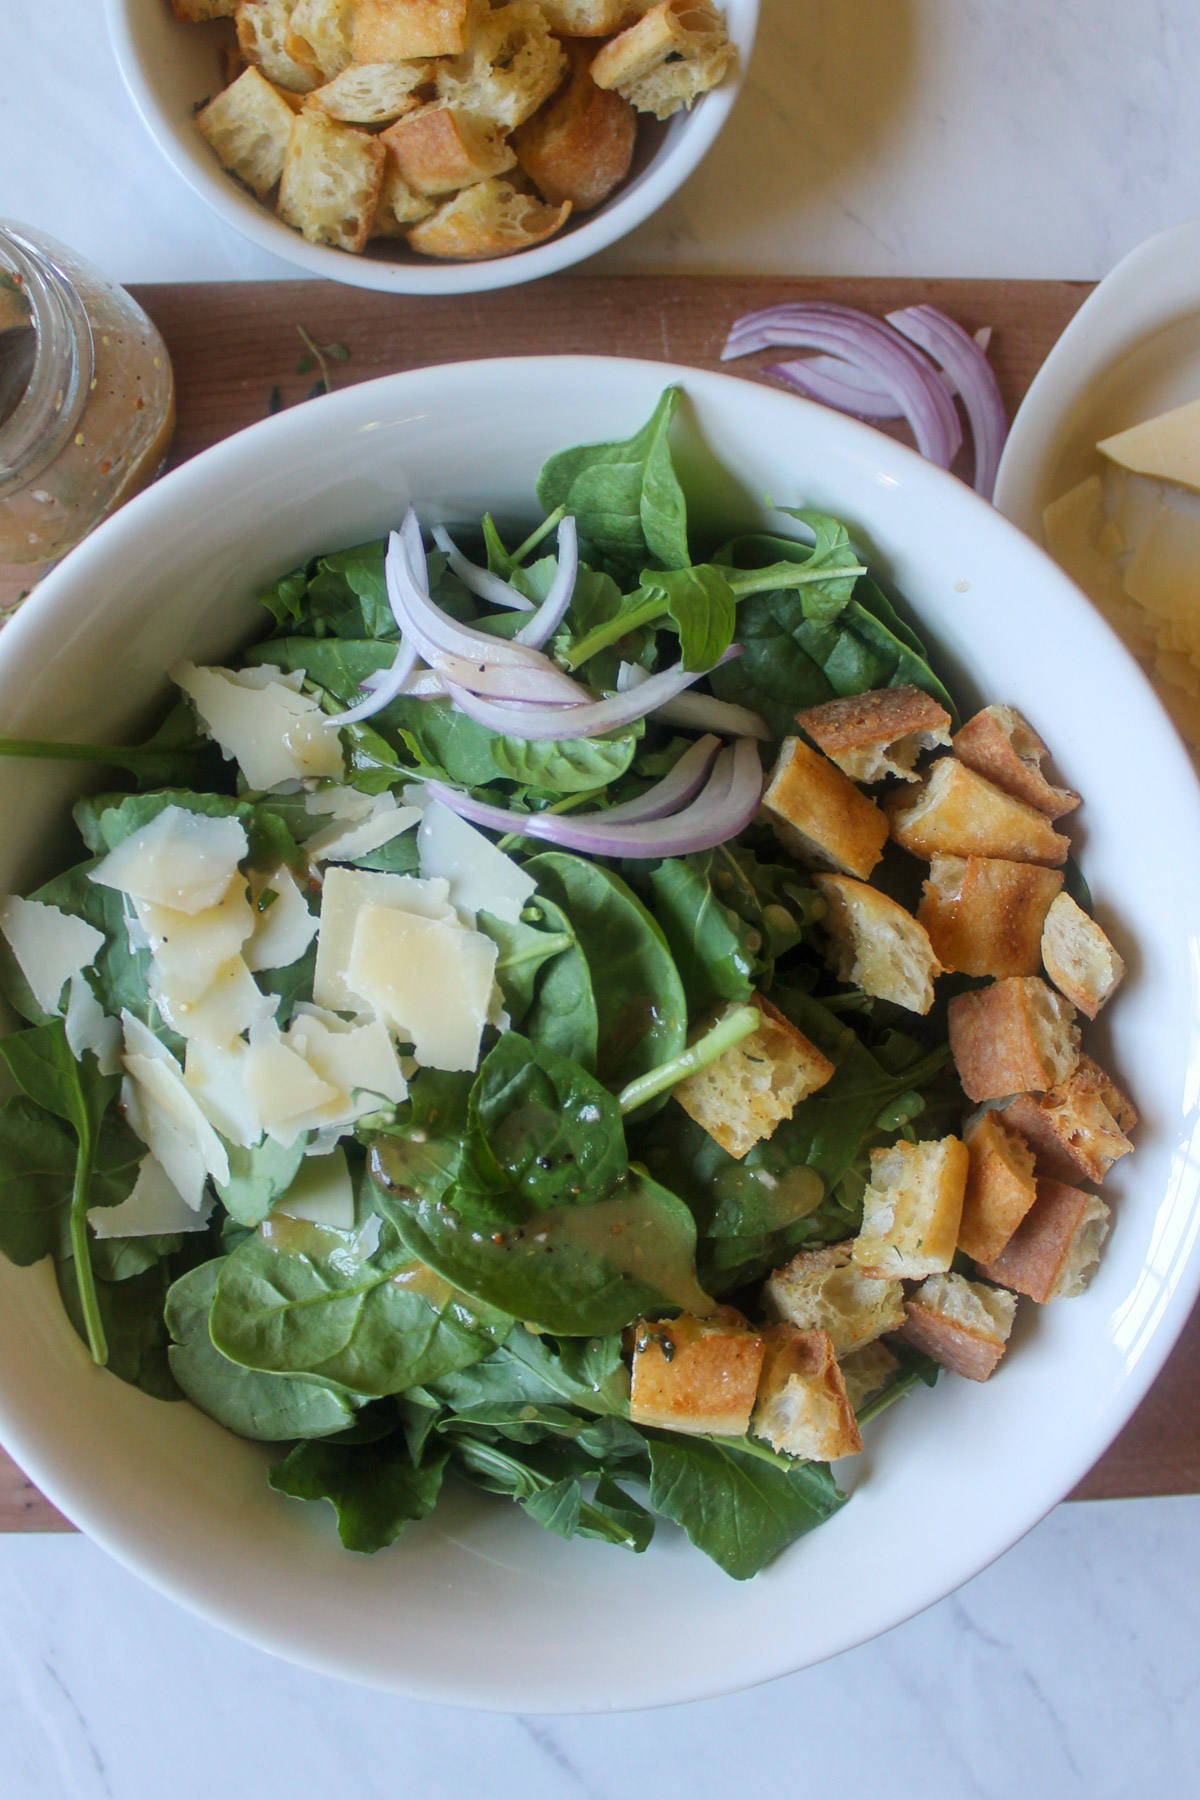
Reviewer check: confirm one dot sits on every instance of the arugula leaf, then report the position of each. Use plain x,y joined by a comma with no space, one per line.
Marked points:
547,1483
539,1370
131,1324
715,951
255,1405
625,497
257,1178
284,599
738,1502
376,1490
38,1159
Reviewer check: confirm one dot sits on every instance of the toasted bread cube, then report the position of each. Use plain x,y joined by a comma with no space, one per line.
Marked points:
744,1094
397,30
962,1324
592,18
675,52
1002,745
821,1290
490,218
248,125
802,1407
820,816
1078,957
319,33
876,945
912,1209
372,93
397,207
1054,1251
1000,1185
195,12
984,914
878,733
866,1372
580,145
1016,1036
956,812
331,179
697,1375
262,28
1080,1127
511,64
440,149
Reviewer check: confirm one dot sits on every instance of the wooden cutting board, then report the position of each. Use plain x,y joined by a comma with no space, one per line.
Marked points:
235,347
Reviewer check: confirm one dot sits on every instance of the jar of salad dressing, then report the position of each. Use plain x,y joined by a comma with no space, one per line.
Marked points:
87,398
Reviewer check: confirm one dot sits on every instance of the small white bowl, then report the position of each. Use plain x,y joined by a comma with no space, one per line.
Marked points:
476,1605
170,66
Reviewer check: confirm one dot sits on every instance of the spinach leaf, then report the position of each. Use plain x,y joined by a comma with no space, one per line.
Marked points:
132,1325
524,950
255,1405
340,665
293,1299
122,974
539,1370
738,1502
701,604
376,1489
342,595
447,740
38,1159
625,497
176,753
715,951
563,1014
555,1132
257,1178
640,1002
284,599
576,766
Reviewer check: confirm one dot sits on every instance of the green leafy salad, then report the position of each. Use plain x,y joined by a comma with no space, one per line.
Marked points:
366,1048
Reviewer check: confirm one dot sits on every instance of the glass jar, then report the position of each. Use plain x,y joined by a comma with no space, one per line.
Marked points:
87,398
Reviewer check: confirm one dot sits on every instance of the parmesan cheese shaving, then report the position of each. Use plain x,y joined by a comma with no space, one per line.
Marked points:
274,733
50,946
428,979
345,893
155,1207
181,859
481,877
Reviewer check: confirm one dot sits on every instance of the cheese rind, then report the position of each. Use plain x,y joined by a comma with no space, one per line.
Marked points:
429,980
1167,447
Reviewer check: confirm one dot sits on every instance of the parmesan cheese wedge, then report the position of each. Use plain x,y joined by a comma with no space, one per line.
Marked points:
154,1207
260,719
1072,526
322,1193
50,946
218,1080
183,860
1167,446
429,980
345,893
160,1109
481,877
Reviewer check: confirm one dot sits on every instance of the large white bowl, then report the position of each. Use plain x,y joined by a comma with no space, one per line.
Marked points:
477,1605
171,67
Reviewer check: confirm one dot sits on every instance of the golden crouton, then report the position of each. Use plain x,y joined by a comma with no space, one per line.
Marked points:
490,218
1078,957
876,945
984,915
820,816
821,1290
248,125
318,33
742,1096
1000,1185
878,733
697,1375
591,18
675,53
802,1407
1002,745
1079,1127
398,30
196,11
958,813
262,28
397,207
1015,1036
441,149
373,93
511,64
962,1324
331,179
865,1372
580,145
1054,1250
912,1209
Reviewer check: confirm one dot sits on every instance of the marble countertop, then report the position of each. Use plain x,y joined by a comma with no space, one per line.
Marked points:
889,137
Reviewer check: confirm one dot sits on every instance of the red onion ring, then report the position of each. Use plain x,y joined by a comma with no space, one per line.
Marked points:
480,582
969,369
384,686
591,720
426,625
701,712
549,615
544,687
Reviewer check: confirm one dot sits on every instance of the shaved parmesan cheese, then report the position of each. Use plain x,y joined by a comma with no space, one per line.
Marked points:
154,1207
284,929
231,1004
287,1093
359,1060
189,948
183,860
1072,527
429,980
482,878
218,1079
165,1115
345,840
274,733
322,1193
339,803
50,946
1168,446
89,1027
1163,574
345,893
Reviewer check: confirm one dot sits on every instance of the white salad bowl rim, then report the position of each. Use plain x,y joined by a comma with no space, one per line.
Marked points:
475,1606
144,37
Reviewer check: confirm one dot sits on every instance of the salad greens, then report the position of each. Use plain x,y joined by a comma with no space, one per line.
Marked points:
460,1310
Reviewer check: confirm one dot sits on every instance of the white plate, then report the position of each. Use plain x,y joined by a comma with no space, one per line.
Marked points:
476,1605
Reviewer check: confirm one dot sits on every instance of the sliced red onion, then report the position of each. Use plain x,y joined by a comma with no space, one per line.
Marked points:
727,804
701,712
549,615
432,631
599,716
547,686
675,789
384,686
479,581
835,383
955,351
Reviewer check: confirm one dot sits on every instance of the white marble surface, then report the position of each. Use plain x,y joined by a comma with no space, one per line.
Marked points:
1066,1672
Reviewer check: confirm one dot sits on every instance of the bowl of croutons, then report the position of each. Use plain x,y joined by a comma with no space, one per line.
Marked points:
433,146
